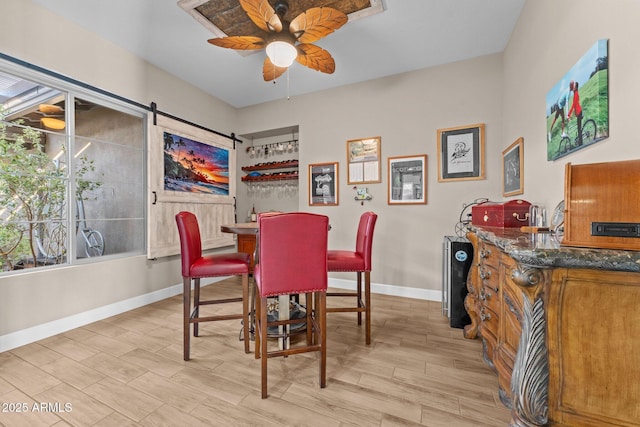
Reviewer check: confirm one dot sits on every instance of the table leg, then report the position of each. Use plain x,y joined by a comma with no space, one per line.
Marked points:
252,309
283,314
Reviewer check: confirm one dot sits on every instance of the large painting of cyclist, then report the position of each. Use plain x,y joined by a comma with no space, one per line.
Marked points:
578,105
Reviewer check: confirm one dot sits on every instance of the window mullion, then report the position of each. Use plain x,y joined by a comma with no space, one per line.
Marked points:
72,209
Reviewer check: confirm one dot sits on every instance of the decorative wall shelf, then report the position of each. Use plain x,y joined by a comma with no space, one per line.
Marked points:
272,177
272,165
289,171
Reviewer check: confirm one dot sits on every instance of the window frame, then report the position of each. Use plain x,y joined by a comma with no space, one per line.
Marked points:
73,89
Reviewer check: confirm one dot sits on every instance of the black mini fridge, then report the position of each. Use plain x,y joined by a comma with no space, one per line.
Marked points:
457,257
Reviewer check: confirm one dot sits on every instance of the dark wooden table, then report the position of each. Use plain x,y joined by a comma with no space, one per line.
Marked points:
246,232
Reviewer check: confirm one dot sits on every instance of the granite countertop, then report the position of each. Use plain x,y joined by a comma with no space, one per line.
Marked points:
544,251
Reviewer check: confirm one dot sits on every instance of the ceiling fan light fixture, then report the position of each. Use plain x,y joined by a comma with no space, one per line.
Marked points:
281,53
286,41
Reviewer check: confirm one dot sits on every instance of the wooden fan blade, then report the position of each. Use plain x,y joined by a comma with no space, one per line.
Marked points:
316,23
262,14
50,109
270,71
315,57
239,42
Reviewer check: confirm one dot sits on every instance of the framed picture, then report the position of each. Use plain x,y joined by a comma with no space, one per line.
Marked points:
407,180
513,169
323,184
194,167
461,153
363,159
578,105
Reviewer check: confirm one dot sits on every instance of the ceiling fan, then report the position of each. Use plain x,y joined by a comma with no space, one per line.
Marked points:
286,41
49,116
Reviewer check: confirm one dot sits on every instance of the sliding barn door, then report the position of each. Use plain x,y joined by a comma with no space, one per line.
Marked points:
189,169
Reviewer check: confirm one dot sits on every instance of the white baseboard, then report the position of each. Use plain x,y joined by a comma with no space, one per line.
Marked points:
36,333
45,330
398,291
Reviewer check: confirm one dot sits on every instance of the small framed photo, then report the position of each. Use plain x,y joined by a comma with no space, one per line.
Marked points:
323,184
461,153
363,159
407,180
513,169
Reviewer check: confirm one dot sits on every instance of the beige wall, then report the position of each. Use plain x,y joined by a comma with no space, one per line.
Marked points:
405,111
549,39
505,91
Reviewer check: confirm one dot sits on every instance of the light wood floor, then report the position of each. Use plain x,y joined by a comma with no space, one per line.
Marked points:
128,370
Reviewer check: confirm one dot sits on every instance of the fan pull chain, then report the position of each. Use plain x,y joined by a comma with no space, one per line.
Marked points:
288,96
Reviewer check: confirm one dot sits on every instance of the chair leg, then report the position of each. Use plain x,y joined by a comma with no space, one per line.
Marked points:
245,311
252,307
263,343
359,297
321,312
196,305
256,326
308,300
367,306
186,303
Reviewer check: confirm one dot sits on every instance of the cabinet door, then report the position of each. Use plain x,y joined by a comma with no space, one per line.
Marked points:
593,328
510,327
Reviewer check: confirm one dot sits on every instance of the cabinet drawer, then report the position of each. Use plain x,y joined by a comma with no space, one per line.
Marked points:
490,298
488,255
489,276
488,264
489,320
488,330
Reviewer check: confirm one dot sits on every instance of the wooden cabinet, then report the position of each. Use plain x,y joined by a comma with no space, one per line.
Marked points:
499,305
560,326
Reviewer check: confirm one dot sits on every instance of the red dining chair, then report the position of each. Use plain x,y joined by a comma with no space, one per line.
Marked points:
195,266
292,260
359,261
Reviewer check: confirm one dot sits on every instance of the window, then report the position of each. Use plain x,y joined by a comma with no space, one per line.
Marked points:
72,173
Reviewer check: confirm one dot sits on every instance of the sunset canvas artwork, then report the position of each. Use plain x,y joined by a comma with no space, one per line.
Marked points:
195,167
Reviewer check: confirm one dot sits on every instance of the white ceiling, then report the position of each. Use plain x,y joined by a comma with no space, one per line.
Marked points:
408,35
